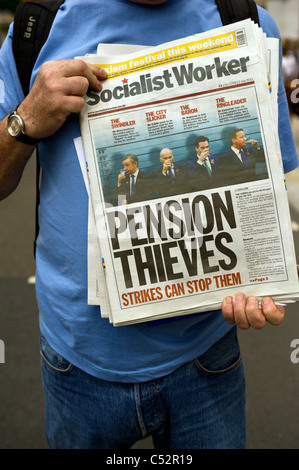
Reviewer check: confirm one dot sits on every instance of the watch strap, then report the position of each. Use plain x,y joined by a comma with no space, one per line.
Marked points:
24,139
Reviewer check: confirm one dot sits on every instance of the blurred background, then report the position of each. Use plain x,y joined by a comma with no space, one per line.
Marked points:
272,377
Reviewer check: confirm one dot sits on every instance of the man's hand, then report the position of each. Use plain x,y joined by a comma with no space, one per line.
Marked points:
246,313
254,143
166,165
203,155
57,92
120,178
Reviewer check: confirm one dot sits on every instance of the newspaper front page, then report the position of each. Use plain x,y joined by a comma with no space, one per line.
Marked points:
177,244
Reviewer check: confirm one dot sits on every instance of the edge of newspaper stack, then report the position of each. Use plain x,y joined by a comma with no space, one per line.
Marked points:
170,256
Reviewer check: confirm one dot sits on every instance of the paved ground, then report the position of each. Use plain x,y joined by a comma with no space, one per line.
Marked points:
272,379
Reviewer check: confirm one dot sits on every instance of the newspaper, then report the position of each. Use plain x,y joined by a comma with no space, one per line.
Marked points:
163,254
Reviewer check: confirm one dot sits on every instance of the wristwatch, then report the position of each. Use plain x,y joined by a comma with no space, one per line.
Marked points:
15,128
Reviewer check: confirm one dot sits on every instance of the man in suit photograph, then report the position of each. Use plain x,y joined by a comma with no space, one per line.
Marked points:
240,165
202,171
169,179
132,183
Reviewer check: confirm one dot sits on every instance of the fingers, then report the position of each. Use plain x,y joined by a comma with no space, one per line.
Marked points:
92,73
204,154
58,91
64,73
77,68
99,73
273,313
247,313
121,177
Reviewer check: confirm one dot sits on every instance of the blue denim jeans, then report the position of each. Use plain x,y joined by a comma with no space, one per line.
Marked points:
201,405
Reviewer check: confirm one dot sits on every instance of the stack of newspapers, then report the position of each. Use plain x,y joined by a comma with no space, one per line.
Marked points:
162,248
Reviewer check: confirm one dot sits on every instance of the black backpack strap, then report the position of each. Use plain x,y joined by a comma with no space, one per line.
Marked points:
32,24
232,11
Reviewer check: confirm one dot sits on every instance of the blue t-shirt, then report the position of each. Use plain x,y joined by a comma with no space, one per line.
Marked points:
135,352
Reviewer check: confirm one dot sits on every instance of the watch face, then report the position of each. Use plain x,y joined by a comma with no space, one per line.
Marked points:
15,126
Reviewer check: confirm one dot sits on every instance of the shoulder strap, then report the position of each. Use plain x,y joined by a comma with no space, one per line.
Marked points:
32,24
232,11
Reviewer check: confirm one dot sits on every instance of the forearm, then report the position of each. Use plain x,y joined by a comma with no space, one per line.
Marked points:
13,158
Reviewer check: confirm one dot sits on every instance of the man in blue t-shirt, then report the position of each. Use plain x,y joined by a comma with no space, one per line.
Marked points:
182,381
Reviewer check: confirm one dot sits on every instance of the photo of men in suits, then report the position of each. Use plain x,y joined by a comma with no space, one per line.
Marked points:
169,179
202,171
240,164
132,183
